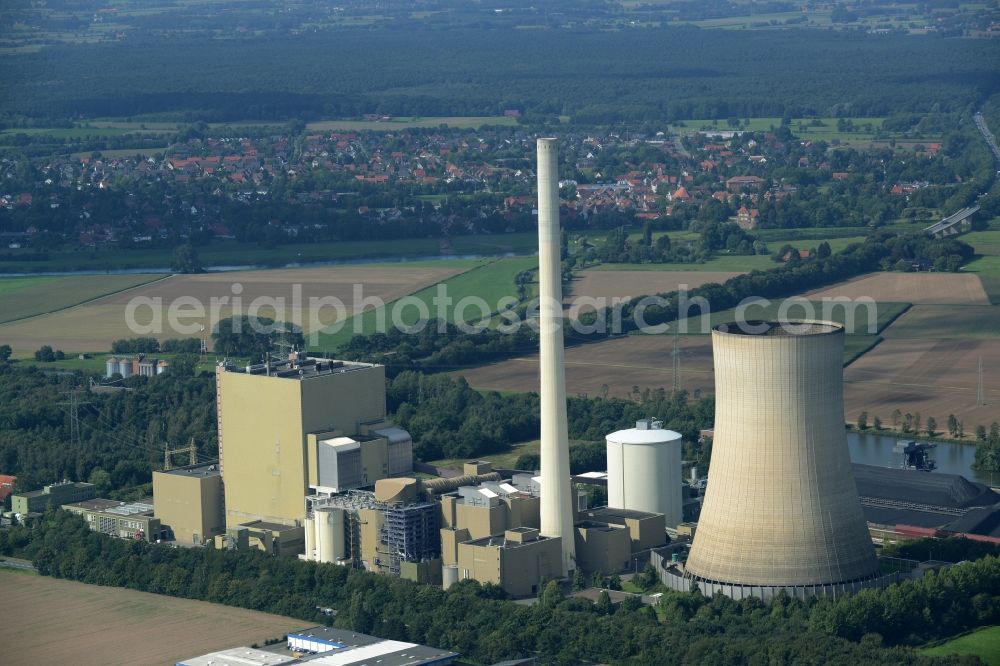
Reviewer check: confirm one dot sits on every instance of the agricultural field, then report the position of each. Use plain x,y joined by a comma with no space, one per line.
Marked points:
916,288
627,284
860,321
987,265
108,625
611,366
93,326
947,321
935,377
983,643
489,280
22,297
394,123
237,254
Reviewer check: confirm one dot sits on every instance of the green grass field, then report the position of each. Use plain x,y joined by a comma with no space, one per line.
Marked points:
491,281
988,269
234,253
983,643
397,123
9,285
948,321
27,297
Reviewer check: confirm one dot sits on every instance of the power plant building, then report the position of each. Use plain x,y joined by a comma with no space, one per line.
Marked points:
189,503
781,509
291,428
644,470
51,496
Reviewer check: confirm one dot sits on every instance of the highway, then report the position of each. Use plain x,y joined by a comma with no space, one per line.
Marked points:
991,140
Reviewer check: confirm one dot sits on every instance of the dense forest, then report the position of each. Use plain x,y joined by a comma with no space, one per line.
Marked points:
588,74
475,621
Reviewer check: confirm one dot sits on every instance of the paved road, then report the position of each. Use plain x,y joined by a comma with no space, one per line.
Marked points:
991,140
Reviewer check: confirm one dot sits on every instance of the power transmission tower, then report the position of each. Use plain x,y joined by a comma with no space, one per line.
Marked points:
168,453
74,416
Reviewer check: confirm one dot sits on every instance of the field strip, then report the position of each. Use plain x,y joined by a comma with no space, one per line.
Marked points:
89,300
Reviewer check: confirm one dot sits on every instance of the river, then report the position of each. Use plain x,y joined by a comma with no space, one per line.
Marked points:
950,458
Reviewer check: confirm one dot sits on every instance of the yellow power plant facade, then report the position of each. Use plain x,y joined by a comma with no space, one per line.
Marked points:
189,503
303,422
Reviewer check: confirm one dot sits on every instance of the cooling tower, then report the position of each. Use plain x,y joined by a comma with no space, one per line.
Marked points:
644,470
556,500
781,509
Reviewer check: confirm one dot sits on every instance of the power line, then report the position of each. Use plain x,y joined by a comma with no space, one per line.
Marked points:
74,416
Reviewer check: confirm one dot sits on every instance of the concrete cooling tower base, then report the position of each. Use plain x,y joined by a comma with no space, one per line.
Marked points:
675,579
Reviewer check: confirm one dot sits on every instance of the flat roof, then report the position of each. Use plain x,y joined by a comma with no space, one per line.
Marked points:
502,542
307,368
266,525
364,649
241,656
201,470
611,512
114,507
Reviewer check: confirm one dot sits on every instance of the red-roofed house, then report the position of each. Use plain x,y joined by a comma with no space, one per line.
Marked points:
6,485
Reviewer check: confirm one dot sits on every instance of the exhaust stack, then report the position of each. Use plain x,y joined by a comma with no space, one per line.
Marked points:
556,500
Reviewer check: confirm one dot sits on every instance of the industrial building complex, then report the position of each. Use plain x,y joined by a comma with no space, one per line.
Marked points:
310,466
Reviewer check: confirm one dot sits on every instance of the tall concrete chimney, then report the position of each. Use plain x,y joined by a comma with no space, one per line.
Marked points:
556,501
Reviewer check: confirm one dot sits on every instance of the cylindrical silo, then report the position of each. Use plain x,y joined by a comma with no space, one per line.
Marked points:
125,367
449,575
329,534
310,530
644,470
781,508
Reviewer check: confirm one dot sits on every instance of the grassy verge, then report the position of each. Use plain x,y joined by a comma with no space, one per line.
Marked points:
983,643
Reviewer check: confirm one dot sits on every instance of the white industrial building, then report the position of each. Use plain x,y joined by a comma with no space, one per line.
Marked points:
327,646
644,470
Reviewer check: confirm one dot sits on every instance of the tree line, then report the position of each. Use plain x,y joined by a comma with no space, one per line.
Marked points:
477,622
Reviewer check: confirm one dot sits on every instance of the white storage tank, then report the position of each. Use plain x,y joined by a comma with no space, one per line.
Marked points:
125,367
644,470
449,575
310,530
329,534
